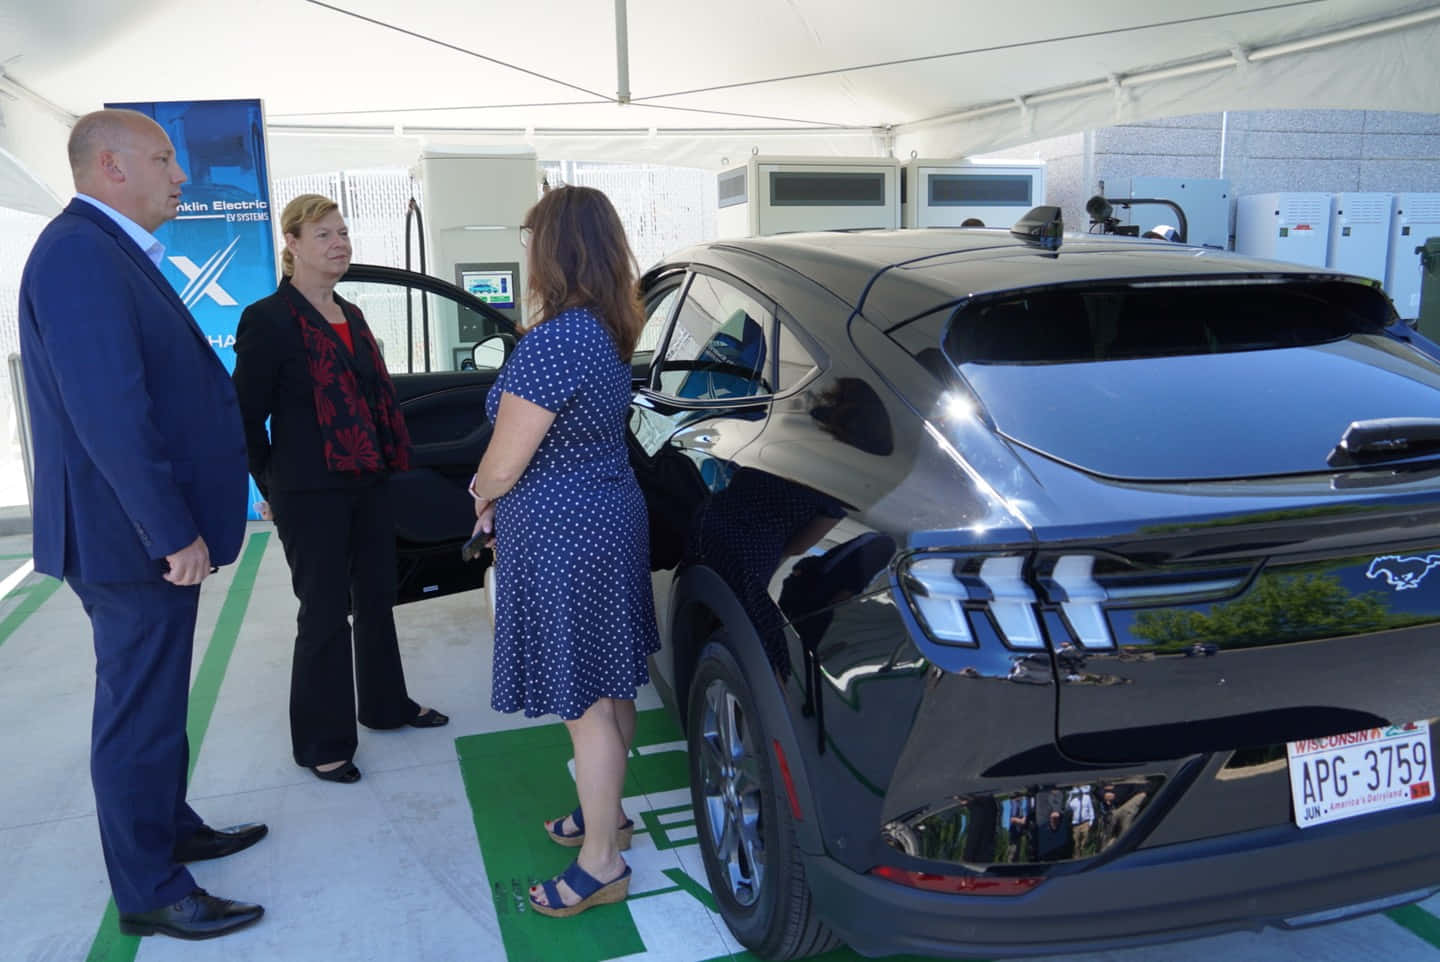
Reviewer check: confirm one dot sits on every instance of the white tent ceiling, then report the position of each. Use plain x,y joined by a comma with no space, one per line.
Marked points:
362,82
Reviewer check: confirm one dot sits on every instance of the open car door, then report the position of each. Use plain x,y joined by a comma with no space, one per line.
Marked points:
444,407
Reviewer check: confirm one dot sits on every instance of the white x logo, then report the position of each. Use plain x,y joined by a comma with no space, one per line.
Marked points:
204,281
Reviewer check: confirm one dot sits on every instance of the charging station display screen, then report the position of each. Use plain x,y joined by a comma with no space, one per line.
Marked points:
496,288
980,190
826,189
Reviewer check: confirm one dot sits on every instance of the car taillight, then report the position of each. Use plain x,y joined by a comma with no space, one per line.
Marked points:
939,596
945,591
941,587
959,884
1074,576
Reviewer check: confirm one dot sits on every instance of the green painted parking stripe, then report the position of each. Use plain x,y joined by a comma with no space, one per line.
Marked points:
696,890
515,778
1418,921
205,690
109,945
31,597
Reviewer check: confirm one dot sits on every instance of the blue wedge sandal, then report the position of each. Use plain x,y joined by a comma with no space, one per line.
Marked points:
591,890
577,838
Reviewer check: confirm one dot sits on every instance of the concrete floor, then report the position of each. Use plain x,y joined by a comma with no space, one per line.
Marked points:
391,868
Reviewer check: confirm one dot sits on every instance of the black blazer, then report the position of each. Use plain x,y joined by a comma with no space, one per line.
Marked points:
272,380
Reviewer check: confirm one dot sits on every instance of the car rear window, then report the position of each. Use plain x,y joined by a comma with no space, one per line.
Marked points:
1161,319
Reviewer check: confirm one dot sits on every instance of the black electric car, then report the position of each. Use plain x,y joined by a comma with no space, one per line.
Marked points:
1022,595
942,520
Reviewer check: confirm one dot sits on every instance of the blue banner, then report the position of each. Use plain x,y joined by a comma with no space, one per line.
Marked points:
220,250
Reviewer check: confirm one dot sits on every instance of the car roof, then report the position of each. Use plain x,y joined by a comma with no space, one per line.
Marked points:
919,270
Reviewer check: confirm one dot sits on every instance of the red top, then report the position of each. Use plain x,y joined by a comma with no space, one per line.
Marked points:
344,331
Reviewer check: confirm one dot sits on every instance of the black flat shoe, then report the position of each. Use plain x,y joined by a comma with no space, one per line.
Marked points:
207,843
346,774
198,915
430,719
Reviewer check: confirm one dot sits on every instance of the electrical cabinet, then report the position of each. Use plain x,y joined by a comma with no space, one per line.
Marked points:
1205,201
1414,219
1292,227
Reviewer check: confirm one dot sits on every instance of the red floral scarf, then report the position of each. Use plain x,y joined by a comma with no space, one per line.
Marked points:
355,405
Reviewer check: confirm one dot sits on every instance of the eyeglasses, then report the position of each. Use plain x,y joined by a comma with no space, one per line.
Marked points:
525,233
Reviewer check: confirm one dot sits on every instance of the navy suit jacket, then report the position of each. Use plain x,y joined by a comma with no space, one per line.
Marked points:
138,443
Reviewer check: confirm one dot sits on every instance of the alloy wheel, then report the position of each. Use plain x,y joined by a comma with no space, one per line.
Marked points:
732,786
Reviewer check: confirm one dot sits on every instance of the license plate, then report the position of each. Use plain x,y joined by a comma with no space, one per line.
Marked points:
1358,773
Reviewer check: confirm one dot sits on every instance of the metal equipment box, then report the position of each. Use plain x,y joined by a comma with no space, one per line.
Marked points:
1360,233
947,193
1205,201
779,195
1292,227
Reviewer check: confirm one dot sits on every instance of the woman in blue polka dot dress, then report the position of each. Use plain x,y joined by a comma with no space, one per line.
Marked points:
575,618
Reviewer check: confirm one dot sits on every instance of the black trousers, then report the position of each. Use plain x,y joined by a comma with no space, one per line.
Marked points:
340,544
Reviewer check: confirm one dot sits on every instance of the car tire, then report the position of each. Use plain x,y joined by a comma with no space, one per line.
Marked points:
744,823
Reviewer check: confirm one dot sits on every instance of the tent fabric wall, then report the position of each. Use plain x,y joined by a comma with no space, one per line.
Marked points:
1374,73
34,172
351,83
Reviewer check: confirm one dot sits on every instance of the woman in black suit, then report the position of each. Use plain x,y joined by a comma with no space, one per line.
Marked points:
305,359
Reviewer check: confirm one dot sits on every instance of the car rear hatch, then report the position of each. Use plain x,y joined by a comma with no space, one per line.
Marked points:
1222,624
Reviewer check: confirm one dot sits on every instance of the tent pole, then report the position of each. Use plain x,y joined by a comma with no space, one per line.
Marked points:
622,54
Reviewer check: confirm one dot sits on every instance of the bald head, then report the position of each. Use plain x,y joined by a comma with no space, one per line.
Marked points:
104,130
126,160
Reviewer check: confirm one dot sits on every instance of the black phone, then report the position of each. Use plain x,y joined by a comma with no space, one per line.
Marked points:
476,546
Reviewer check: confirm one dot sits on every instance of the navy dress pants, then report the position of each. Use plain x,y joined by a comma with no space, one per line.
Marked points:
139,753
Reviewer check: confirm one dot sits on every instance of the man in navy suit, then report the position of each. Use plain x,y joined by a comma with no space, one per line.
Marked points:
140,487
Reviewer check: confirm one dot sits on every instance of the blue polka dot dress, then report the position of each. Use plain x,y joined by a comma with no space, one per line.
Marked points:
575,618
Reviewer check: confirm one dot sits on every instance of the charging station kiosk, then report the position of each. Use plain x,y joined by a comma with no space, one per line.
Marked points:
946,193
778,195
475,200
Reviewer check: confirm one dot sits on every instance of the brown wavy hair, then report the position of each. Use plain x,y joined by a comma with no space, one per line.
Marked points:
579,257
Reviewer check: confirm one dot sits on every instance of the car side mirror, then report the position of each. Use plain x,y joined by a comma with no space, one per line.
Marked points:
490,353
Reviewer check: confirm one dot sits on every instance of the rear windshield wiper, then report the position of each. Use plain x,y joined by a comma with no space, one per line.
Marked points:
1381,437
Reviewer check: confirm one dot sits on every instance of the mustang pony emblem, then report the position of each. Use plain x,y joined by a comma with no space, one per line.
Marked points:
1403,572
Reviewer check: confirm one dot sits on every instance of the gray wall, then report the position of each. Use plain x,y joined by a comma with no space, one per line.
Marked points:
1257,150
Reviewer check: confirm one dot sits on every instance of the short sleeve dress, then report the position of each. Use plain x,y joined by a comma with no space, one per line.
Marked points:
575,618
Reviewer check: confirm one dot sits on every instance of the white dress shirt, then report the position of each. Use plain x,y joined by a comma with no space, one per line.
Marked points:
143,238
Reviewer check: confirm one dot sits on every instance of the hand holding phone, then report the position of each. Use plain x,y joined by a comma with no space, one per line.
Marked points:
476,546
479,540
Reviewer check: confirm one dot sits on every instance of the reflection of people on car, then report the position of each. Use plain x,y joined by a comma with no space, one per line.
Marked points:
980,828
1082,814
815,585
747,529
1021,816
1119,804
1053,840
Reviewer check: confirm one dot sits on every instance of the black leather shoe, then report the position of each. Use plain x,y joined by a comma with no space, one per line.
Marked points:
207,842
198,915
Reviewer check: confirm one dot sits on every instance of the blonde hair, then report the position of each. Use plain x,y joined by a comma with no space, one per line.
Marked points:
305,209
